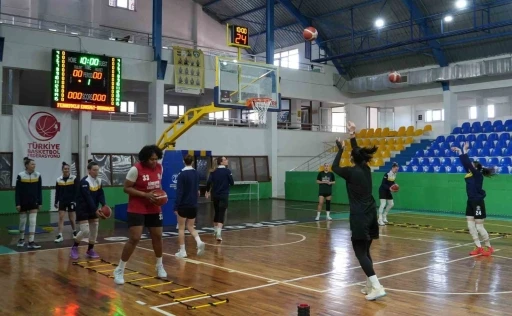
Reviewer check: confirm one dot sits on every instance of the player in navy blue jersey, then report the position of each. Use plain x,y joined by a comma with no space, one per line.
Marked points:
29,198
65,199
325,180
385,194
475,206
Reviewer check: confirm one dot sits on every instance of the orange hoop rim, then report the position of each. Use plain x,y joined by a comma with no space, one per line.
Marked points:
250,102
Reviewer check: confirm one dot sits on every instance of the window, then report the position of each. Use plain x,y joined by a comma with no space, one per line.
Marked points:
372,115
124,4
490,111
339,122
221,115
434,116
249,116
472,112
128,107
174,110
288,59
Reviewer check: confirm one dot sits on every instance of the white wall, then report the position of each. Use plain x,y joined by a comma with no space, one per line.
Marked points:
357,114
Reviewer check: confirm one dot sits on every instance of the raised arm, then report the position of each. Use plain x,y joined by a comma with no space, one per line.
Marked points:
343,172
464,158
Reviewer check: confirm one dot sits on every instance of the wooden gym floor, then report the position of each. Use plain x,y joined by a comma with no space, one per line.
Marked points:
269,270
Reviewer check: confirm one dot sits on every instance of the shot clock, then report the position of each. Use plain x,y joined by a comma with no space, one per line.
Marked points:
238,36
86,82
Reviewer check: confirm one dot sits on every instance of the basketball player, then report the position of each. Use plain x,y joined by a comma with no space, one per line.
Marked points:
363,209
142,179
221,179
325,180
475,208
88,211
385,196
187,194
29,198
65,199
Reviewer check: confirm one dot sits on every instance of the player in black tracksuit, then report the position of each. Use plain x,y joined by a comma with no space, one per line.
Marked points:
221,179
363,209
385,194
66,190
475,207
29,198
325,180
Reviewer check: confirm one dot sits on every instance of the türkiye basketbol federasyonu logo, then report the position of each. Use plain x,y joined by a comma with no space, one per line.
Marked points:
43,126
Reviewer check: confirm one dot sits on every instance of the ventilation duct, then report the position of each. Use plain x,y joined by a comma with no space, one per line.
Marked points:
493,67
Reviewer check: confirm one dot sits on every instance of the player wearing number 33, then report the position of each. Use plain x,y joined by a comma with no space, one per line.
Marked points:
475,208
142,179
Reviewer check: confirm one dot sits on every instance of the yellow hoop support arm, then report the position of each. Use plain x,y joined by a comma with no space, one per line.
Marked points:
183,124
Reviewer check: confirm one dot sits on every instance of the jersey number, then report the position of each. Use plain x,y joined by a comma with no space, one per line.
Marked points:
160,217
145,177
478,211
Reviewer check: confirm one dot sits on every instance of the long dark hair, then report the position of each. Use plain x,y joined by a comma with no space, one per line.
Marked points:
363,154
486,172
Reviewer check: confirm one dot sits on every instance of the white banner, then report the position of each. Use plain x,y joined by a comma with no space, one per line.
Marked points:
44,135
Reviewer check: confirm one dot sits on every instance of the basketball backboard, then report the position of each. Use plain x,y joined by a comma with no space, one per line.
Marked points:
238,80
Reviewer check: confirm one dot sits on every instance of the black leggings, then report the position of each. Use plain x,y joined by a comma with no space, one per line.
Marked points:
220,204
362,251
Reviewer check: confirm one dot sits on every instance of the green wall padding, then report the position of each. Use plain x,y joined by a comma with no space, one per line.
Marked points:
418,191
115,195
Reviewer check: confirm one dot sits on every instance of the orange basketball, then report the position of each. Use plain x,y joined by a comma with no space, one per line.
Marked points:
107,211
161,197
395,77
395,188
310,33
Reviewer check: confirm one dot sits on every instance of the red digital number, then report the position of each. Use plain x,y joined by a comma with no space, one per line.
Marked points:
78,73
97,75
241,39
75,95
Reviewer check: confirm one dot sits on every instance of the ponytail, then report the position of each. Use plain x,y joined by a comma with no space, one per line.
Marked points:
486,172
363,154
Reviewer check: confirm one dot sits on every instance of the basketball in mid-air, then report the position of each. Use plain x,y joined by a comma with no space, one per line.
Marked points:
395,188
395,77
161,197
107,211
310,33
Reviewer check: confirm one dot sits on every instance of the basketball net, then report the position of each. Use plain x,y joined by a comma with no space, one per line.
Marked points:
260,105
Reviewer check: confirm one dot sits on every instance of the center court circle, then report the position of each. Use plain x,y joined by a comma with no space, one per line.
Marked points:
262,246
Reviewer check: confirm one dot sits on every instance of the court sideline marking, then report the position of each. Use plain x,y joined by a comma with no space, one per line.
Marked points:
263,246
444,219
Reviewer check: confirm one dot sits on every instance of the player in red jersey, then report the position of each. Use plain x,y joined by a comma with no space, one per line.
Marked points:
142,179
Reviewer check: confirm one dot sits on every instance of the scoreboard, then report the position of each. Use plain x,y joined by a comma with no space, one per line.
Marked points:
238,36
86,82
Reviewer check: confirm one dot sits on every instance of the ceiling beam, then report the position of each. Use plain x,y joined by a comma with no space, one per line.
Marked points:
305,22
245,13
206,5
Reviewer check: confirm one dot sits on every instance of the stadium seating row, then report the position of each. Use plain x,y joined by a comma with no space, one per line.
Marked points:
485,127
386,132
390,141
501,169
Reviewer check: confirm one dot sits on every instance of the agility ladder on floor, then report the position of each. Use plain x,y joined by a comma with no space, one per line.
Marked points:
101,266
451,230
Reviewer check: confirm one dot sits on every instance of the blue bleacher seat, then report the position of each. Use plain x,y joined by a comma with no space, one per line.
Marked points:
425,162
508,151
505,160
502,143
486,123
492,161
484,152
497,123
457,130
476,127
460,139
415,168
471,138
428,169
434,145
450,169
440,139
465,124
504,136
460,169
446,162
493,137
435,161
466,130
438,169
450,138
420,153
487,129
488,145
414,161
504,168
500,128
496,152
508,128
481,137
430,153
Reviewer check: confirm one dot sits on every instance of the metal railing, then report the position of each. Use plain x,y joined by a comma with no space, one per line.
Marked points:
133,37
315,162
124,117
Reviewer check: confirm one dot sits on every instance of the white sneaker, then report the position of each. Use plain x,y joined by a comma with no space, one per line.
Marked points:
219,237
200,248
59,238
385,220
381,223
329,218
181,254
317,218
367,288
376,293
119,276
160,271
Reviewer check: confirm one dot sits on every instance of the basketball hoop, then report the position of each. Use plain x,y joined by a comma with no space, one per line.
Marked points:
261,106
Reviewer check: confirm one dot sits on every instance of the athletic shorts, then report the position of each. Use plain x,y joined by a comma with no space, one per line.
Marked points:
325,194
84,215
188,212
29,207
220,202
385,195
69,207
364,226
476,209
147,220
